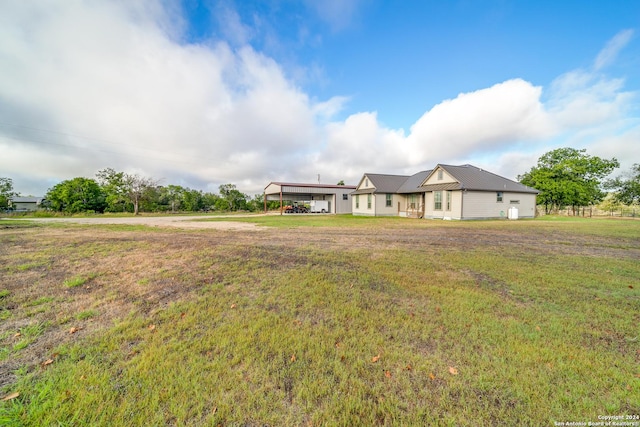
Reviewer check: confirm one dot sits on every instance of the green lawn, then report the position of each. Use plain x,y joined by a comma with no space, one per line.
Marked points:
339,320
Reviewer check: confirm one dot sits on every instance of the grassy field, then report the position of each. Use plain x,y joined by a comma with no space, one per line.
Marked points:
320,320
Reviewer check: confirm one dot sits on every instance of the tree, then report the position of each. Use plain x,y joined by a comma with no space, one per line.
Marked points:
6,192
136,186
76,195
234,199
627,186
568,177
192,200
210,201
114,186
173,195
341,182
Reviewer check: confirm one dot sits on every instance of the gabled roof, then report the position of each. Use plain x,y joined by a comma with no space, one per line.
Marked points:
382,183
412,184
472,177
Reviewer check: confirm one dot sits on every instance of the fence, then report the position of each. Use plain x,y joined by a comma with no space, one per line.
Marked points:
591,211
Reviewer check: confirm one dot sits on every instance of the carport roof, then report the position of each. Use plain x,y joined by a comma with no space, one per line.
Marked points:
298,184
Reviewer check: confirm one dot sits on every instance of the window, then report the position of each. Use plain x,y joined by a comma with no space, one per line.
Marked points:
412,201
389,200
499,196
514,202
448,200
368,201
345,197
366,182
437,200
357,201
440,174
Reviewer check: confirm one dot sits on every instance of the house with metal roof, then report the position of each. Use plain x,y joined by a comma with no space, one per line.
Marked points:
389,195
445,192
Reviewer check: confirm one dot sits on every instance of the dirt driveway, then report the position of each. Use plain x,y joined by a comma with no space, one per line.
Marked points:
181,221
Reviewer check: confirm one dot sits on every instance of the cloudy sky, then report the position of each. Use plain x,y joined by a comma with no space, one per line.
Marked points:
202,93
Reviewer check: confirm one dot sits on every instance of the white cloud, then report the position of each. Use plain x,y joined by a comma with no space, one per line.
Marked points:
609,53
485,120
109,84
338,14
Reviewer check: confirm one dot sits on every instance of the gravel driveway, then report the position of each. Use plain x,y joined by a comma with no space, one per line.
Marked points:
157,221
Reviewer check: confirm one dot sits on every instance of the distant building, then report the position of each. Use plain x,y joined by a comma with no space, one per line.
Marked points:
25,204
337,196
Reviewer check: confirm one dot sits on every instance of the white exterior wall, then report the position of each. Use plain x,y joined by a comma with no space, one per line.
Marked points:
363,210
454,211
381,205
484,204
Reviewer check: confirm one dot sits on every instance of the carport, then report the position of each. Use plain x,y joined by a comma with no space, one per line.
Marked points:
338,196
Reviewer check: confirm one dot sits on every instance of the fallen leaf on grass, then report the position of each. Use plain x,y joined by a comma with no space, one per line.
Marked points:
431,376
408,368
151,327
538,328
17,334
338,344
630,287
438,309
387,374
374,359
214,410
10,396
453,371
47,362
293,357
74,330
233,305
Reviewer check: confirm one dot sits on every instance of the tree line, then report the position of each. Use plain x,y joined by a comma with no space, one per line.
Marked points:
565,177
113,191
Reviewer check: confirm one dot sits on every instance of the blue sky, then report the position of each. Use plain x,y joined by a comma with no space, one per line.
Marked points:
201,93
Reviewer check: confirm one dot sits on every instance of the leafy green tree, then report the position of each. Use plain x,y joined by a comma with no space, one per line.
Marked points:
6,192
341,182
234,199
137,189
192,200
569,177
76,195
114,186
172,194
210,201
627,186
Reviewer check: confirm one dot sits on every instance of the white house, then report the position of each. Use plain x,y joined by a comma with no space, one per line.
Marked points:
445,192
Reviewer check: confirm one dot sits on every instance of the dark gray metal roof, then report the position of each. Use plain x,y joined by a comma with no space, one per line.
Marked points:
412,184
383,183
474,178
